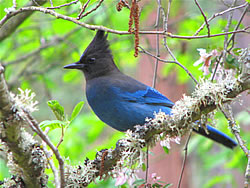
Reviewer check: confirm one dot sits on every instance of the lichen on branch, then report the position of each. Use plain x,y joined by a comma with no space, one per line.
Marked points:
26,159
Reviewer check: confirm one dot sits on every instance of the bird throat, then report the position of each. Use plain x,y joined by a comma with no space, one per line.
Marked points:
91,73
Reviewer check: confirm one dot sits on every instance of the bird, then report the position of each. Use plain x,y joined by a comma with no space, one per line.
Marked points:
119,100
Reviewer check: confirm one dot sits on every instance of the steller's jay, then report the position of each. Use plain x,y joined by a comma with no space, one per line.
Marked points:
119,100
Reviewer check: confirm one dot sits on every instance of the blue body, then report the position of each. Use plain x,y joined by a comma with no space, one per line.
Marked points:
123,102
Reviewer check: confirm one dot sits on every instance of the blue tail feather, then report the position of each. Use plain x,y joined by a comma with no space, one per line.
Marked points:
217,136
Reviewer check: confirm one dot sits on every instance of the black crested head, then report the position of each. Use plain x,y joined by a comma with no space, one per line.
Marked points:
99,46
97,59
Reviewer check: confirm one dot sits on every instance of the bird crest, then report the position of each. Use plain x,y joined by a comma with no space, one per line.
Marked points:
99,46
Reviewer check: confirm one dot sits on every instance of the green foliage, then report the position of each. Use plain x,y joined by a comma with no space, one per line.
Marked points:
144,167
222,180
76,110
166,149
139,182
57,109
229,160
231,62
52,124
71,76
87,127
43,72
62,121
155,184
4,171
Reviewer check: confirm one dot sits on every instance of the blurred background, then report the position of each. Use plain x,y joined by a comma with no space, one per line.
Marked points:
34,56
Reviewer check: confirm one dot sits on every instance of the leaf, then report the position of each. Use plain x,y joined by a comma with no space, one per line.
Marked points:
231,62
167,185
237,51
218,180
52,124
139,182
57,109
151,153
166,149
156,185
76,110
144,167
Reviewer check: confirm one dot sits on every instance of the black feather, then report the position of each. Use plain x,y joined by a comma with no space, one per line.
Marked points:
99,46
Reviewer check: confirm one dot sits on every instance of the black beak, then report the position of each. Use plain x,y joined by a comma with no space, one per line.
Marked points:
76,65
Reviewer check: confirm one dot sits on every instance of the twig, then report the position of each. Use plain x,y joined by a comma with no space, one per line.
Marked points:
36,3
83,9
216,66
170,52
185,158
51,3
237,26
28,55
54,41
234,127
155,72
225,3
92,10
14,22
14,4
105,152
204,16
95,27
222,57
61,138
147,164
165,61
63,5
157,51
35,127
229,21
200,36
154,56
165,18
247,173
50,161
125,3
219,14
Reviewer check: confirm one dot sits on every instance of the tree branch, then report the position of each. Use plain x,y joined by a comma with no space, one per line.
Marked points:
14,22
235,129
97,27
204,16
53,42
63,5
166,61
25,156
219,14
25,150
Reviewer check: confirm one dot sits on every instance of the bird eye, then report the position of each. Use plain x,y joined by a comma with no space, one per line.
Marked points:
91,60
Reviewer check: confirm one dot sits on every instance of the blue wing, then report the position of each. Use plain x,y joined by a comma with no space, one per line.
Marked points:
150,96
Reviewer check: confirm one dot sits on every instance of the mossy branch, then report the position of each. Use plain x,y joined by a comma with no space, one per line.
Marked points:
26,159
